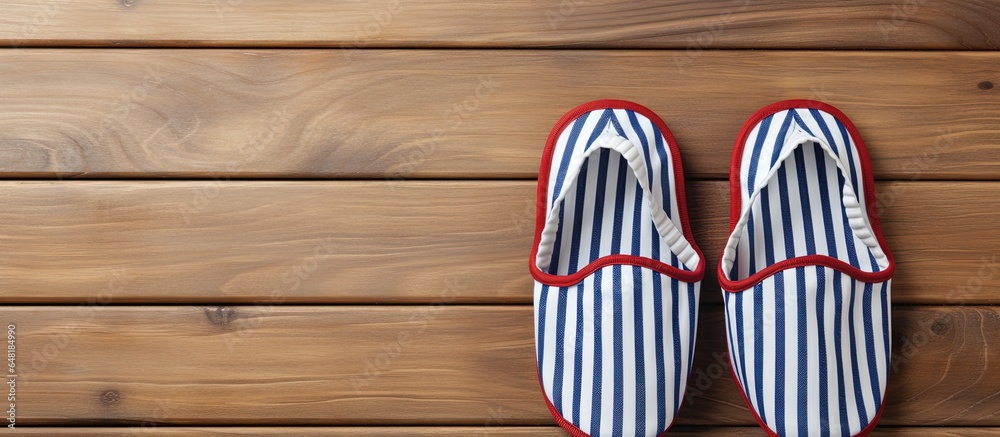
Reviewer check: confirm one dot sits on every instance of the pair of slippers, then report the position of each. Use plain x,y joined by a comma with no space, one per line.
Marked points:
805,273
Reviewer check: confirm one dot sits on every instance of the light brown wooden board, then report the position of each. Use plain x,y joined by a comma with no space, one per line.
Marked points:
486,430
394,242
462,113
522,23
312,431
427,365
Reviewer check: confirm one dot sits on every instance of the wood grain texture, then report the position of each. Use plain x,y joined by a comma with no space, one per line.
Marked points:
462,113
311,431
395,242
417,431
457,365
521,23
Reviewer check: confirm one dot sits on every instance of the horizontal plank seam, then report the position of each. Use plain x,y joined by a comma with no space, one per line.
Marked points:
74,304
194,45
390,179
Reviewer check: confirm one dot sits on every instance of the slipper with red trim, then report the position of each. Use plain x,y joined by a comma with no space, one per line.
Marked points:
806,274
617,273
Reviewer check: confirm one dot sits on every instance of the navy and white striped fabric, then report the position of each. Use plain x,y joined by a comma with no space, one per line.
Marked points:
614,350
809,343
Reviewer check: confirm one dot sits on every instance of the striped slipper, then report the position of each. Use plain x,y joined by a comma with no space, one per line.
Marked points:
806,274
617,274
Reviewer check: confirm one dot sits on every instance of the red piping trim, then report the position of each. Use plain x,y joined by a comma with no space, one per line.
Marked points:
541,204
735,197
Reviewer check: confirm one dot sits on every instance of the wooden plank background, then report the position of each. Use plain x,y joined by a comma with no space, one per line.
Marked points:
394,241
430,364
518,23
464,431
261,217
462,113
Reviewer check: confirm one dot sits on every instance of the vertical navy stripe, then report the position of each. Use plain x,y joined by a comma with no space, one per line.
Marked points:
595,408
640,364
543,296
852,257
752,262
859,399
801,123
557,245
599,128
810,240
826,132
870,345
557,386
581,201
850,159
617,125
807,217
661,151
758,343
735,348
661,389
768,243
847,146
838,314
595,247
740,343
618,407
645,146
727,299
765,125
780,140
831,250
885,323
824,199
637,307
578,357
693,317
574,135
779,348
676,334
779,410
779,298
824,391
786,218
618,396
